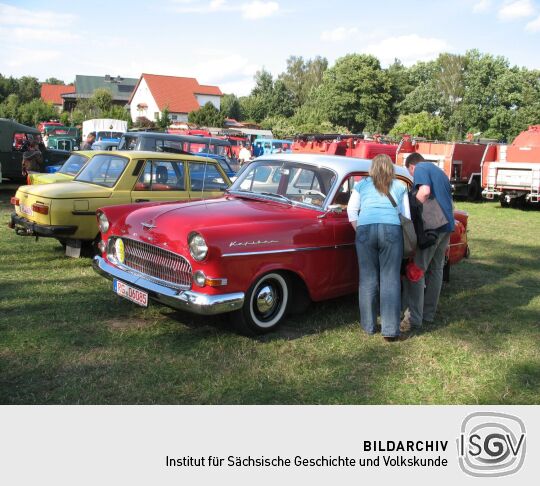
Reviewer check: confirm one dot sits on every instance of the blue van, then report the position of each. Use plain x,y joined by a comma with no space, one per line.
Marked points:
264,146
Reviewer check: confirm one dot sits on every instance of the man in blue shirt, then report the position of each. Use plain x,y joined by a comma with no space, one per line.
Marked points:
420,299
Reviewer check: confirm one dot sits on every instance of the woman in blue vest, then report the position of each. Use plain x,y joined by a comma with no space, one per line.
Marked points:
379,245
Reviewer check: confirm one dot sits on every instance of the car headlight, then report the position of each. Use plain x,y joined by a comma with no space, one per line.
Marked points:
197,246
116,251
103,223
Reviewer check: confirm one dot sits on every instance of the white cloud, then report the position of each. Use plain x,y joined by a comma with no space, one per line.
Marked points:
256,9
516,10
259,9
407,48
482,6
338,34
533,25
10,15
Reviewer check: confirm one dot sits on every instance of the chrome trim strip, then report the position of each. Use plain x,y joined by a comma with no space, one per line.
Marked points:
152,278
187,300
288,250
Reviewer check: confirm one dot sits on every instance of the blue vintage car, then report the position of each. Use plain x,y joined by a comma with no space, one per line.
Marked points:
214,148
265,146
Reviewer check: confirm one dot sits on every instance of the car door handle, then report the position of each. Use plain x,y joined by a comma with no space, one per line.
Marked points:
142,200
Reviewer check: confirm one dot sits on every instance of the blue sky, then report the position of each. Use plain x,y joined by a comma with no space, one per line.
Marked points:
224,42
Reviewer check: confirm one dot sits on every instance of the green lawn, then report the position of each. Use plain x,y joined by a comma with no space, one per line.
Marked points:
66,338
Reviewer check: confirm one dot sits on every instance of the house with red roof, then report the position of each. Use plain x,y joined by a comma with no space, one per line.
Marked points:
153,93
52,93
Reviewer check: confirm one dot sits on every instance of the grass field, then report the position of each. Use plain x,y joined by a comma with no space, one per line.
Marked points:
65,338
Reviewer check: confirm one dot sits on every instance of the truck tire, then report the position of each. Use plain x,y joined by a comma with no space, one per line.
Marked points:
473,190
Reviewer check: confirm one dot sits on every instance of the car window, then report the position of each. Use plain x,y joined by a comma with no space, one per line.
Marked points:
159,175
128,143
298,182
103,170
206,177
73,164
161,145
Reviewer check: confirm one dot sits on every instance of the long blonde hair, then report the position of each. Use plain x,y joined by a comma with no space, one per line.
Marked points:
382,172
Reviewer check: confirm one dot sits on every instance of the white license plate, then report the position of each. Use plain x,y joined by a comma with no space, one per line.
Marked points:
26,210
131,293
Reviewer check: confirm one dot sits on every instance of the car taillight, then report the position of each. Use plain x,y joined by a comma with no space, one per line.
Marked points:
40,208
15,201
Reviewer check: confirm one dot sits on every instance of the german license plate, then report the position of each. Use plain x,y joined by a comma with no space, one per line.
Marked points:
26,210
131,293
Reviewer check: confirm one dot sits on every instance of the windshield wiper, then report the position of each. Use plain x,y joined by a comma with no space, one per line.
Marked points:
274,194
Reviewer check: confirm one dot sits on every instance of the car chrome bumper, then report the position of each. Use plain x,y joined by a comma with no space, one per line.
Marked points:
185,300
31,228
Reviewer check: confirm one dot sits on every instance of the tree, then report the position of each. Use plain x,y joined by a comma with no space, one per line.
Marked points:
65,118
450,78
8,86
163,121
207,116
302,77
102,99
29,88
35,111
117,113
54,81
421,124
424,94
356,94
9,108
230,107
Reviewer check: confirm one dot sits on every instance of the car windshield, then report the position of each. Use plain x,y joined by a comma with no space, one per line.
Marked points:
73,164
103,170
295,183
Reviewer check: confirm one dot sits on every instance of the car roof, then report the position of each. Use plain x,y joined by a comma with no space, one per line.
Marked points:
141,154
174,136
341,164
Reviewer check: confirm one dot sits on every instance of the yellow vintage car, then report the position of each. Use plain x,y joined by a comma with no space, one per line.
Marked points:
66,173
67,211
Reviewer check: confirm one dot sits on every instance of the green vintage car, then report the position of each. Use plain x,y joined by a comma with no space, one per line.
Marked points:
63,138
67,172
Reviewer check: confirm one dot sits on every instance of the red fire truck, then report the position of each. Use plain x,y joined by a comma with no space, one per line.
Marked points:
514,175
346,145
461,161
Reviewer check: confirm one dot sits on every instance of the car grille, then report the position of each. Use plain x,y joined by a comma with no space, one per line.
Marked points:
157,263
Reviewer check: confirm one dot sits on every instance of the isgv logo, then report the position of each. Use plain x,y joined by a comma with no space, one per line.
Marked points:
491,444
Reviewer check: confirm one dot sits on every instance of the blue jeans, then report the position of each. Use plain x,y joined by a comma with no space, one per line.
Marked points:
379,248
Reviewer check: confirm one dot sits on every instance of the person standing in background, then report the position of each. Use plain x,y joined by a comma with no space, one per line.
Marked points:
90,139
421,297
244,155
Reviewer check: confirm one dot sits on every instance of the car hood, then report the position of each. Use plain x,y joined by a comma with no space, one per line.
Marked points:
229,224
69,190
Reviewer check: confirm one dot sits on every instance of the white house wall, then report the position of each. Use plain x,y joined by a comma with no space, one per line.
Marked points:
178,117
203,99
143,96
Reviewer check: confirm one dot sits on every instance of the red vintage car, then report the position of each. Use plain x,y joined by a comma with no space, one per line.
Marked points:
277,240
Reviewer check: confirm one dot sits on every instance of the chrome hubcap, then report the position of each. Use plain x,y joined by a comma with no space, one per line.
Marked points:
266,299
